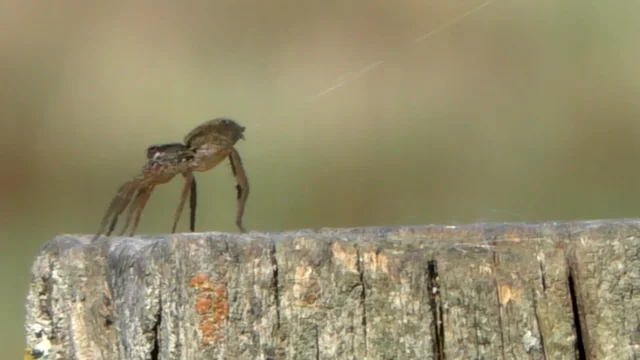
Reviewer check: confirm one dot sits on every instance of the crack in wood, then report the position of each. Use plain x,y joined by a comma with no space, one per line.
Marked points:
543,282
317,339
580,343
543,277
275,289
363,296
275,286
435,303
155,351
494,265
536,313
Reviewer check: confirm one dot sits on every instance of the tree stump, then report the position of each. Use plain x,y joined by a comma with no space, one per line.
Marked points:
481,291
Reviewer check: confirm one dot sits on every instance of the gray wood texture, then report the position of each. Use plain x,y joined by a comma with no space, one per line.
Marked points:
481,291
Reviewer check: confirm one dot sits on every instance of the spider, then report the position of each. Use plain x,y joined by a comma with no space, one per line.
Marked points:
204,148
164,162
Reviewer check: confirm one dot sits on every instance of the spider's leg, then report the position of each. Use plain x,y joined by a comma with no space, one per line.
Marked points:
141,202
121,199
124,202
135,204
193,204
188,184
242,186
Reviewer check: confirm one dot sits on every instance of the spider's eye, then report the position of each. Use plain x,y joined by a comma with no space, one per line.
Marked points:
157,155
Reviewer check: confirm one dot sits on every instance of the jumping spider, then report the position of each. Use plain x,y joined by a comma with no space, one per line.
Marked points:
204,148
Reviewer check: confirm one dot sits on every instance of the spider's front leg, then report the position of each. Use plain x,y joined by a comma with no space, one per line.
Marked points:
189,187
143,196
117,206
242,186
136,207
193,204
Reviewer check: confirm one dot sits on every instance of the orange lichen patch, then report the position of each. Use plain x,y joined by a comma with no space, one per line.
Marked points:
347,257
213,307
198,280
203,304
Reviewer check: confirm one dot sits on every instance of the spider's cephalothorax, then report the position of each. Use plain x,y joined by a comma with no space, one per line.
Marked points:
175,153
205,147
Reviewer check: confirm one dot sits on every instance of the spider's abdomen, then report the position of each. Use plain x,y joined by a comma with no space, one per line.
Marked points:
221,132
209,156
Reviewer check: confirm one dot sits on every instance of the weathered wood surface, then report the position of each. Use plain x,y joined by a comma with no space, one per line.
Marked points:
482,291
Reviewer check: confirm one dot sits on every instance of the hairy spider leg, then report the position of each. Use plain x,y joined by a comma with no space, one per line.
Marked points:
193,204
141,199
127,202
165,161
136,208
117,205
189,180
242,186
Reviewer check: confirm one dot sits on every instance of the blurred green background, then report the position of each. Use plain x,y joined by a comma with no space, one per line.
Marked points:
358,112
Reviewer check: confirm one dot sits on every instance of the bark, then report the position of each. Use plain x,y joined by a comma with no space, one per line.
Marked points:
481,291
